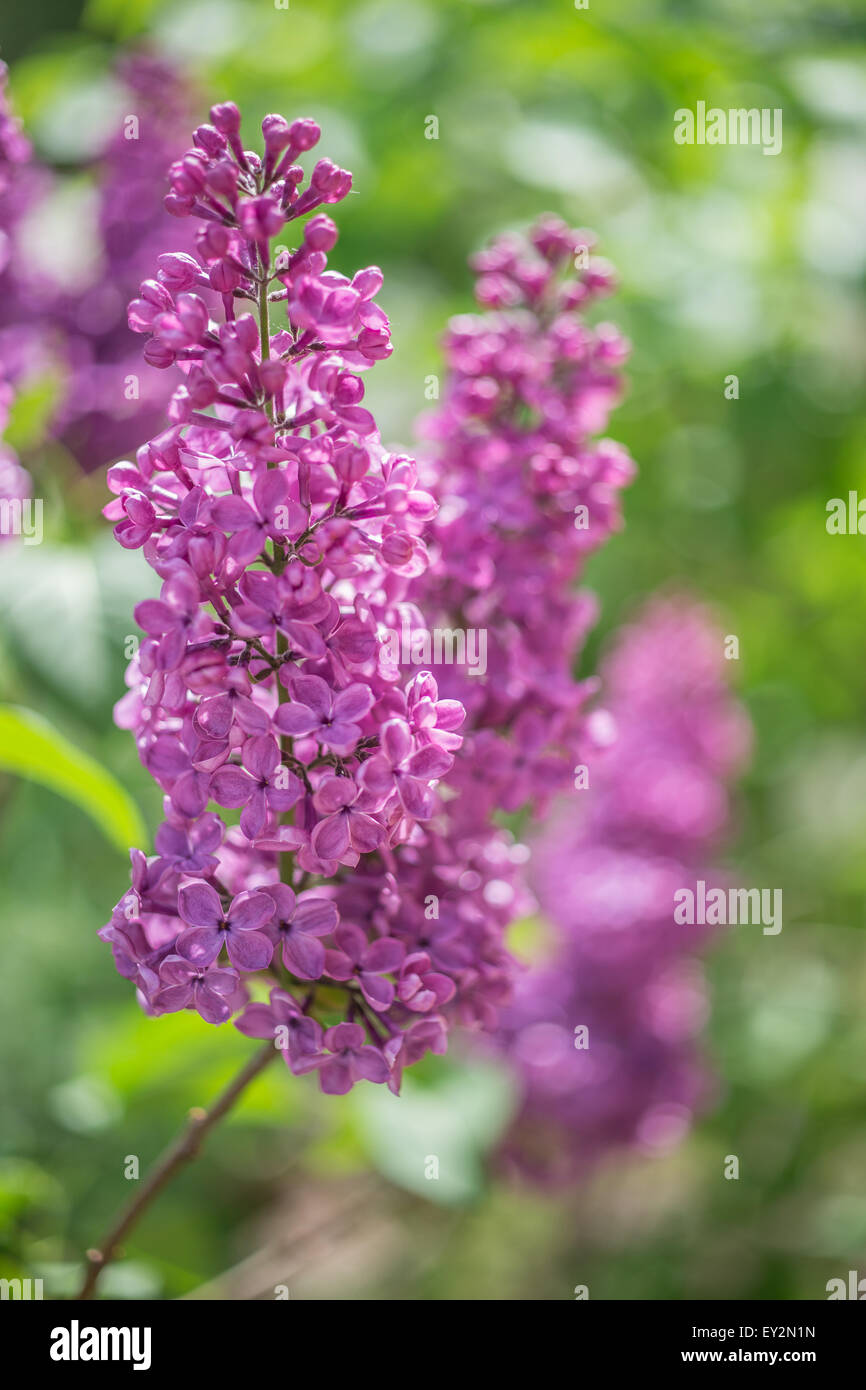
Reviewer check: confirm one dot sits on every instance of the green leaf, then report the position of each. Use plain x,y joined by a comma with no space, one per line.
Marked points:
33,748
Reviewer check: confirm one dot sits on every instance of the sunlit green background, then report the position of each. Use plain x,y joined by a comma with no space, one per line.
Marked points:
731,263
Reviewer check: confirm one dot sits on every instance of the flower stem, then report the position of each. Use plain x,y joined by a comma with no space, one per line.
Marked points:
185,1147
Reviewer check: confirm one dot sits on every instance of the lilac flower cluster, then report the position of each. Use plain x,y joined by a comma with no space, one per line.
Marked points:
530,494
282,531
289,543
605,876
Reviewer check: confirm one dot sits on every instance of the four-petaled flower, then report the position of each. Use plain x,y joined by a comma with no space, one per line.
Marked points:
297,924
297,1036
208,989
353,1059
266,785
397,768
348,829
209,927
366,962
331,718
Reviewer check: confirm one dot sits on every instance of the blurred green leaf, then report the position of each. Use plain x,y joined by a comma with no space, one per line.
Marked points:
32,748
432,1139
31,410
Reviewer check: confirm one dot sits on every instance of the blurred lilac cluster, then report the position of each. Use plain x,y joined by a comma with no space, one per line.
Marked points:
602,1031
528,494
112,401
16,192
108,401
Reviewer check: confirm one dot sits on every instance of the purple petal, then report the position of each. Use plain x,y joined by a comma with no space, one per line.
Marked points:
261,756
396,741
353,702
378,992
366,833
200,945
199,905
340,737
173,998
416,798
370,1064
384,955
429,762
296,719
335,1076
305,639
351,940
344,1035
335,793
233,513
176,971
249,950
212,1006
330,839
304,956
314,692
316,916
338,965
231,787
254,815
250,911
377,777
256,1021
154,617
283,899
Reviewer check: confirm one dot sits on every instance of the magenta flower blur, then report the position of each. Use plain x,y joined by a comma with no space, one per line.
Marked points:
15,192
112,401
605,875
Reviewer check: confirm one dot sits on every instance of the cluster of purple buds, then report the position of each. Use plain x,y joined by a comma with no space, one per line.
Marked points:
282,532
601,1032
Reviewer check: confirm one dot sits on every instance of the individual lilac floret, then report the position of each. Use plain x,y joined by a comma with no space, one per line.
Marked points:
351,1059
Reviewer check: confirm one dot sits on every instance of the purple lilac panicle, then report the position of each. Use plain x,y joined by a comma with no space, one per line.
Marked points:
281,530
605,876
529,494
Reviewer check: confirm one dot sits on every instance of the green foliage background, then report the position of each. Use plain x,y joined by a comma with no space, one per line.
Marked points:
731,263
